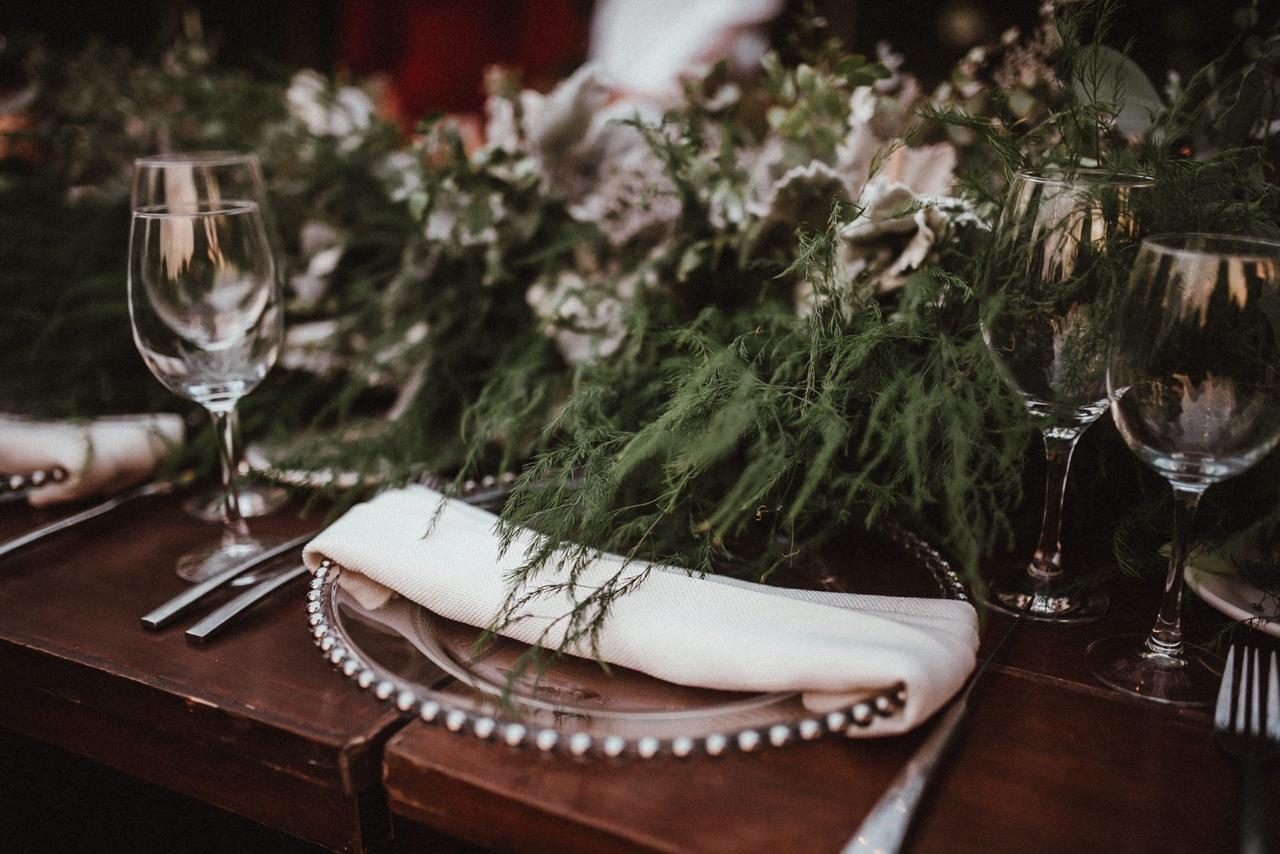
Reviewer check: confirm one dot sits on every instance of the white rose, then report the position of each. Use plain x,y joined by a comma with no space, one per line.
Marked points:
585,322
803,195
892,236
345,114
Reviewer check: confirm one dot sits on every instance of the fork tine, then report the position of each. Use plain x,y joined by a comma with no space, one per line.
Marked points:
1222,713
1242,694
1255,695
1273,701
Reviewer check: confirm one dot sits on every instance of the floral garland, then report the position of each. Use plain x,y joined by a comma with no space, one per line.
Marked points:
709,328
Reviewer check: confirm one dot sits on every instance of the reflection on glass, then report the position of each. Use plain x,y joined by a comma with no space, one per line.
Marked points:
211,177
1059,254
1194,374
205,308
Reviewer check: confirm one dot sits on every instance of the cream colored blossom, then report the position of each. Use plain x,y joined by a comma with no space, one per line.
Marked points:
586,318
344,114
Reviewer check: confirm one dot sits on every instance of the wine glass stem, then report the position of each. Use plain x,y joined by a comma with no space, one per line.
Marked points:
1046,563
1166,635
225,426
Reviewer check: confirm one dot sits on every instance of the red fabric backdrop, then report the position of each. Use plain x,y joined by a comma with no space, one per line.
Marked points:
435,51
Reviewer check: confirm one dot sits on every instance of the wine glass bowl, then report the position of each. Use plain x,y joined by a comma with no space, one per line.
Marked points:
1195,431
206,317
212,177
1057,257
186,178
205,308
1194,381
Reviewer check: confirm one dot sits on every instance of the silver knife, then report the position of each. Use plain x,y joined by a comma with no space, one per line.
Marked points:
886,826
171,610
158,487
217,620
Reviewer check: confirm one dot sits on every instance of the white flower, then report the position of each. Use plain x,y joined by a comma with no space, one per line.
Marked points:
726,96
345,114
399,172
464,218
501,128
614,180
554,124
317,234
876,121
322,245
629,196
310,347
727,206
928,170
584,153
803,195
892,61
892,236
585,320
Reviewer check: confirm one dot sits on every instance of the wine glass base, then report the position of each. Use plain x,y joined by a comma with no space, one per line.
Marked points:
256,499
1124,663
1018,593
204,563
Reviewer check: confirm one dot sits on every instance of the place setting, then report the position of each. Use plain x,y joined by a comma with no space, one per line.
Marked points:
659,419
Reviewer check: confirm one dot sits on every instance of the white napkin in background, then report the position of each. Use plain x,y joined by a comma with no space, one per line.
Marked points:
99,456
711,632
643,48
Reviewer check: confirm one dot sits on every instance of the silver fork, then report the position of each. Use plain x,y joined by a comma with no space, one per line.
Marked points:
1248,730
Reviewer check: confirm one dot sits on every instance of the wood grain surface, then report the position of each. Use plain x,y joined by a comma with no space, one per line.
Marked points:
257,723
1049,761
253,722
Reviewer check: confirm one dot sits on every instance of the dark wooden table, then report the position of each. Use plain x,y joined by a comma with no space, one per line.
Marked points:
253,722
1050,761
257,724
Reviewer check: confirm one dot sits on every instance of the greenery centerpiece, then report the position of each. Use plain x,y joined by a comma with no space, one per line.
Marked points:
709,331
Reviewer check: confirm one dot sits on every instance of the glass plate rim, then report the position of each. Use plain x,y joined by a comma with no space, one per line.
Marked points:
337,648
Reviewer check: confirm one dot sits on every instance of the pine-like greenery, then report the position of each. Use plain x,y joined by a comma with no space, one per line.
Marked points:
728,431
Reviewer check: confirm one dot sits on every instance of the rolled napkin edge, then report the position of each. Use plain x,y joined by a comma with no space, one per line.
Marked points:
99,455
946,640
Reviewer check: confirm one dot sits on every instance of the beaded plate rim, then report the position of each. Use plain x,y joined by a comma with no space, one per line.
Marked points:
338,650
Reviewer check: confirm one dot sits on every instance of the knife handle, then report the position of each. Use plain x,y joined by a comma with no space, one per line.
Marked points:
885,827
154,488
166,613
219,619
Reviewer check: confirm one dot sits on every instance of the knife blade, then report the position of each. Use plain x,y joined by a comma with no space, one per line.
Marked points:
885,827
159,487
164,614
215,621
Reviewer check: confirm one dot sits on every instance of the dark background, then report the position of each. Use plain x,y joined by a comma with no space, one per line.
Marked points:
326,34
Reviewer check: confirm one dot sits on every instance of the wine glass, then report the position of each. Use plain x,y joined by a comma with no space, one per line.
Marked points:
1194,380
1057,256
212,176
204,303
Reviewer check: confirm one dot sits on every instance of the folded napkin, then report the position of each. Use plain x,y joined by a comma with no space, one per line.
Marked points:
99,456
712,632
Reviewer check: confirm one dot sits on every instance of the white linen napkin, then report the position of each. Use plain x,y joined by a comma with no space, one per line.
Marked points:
99,456
645,48
711,632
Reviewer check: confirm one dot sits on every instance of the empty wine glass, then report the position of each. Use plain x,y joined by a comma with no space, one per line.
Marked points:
212,176
1194,379
1061,248
204,303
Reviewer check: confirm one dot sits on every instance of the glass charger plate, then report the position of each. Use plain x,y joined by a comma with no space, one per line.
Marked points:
1236,598
428,665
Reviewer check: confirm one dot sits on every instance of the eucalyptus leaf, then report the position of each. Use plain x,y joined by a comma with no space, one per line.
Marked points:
1234,124
1109,77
